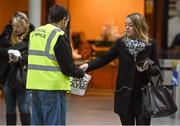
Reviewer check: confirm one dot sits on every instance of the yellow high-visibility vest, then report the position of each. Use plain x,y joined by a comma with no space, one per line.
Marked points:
44,72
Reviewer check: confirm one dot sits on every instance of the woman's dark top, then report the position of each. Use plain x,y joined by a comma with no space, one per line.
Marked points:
127,97
5,45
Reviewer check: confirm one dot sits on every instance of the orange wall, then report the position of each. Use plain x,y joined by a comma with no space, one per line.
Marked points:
8,8
90,15
87,16
63,2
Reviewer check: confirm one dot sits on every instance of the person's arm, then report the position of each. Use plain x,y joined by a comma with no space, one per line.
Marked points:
176,41
63,55
106,58
4,40
154,67
3,52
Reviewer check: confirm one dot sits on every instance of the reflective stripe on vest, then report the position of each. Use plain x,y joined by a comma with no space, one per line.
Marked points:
43,70
45,53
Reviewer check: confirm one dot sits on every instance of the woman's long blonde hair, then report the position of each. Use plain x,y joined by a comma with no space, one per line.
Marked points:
19,19
140,26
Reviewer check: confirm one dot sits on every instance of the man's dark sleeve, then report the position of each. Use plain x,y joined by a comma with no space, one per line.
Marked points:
63,55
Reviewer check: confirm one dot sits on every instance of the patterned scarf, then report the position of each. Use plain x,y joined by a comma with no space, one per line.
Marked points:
134,47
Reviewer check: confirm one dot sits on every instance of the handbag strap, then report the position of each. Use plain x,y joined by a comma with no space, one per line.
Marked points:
23,62
160,79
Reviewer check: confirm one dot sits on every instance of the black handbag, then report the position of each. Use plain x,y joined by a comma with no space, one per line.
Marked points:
157,100
17,77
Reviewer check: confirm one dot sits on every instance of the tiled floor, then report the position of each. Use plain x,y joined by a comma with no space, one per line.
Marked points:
95,108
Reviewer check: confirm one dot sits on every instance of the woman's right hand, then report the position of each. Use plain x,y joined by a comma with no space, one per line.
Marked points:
14,55
84,67
143,67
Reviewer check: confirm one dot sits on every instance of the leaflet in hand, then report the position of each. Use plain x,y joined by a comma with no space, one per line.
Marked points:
79,85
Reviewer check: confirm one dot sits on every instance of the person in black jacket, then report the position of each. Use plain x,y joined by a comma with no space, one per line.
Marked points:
15,36
176,42
135,52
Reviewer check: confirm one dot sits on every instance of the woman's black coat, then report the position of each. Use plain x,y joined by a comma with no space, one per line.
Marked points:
5,45
129,80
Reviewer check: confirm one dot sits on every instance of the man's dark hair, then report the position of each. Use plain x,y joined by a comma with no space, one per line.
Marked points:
57,13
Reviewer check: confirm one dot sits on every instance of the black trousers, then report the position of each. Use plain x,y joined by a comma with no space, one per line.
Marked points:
134,120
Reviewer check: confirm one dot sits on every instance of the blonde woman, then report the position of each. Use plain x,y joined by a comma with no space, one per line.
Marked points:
15,36
132,50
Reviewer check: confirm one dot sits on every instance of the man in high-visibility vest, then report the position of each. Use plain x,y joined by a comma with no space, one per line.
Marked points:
50,64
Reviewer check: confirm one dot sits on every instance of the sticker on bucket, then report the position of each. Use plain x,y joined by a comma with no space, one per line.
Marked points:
79,85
